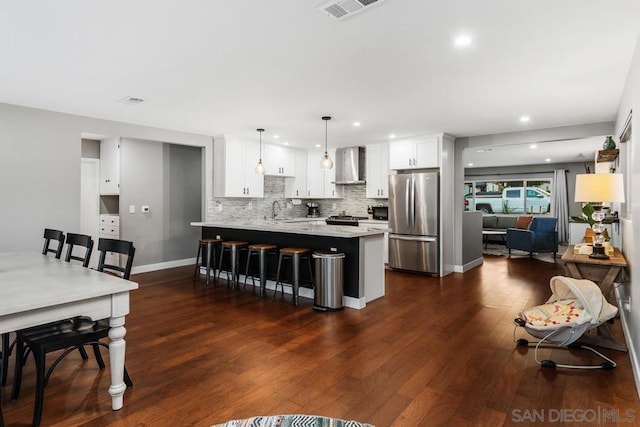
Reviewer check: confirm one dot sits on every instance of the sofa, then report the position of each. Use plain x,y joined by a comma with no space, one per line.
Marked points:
499,223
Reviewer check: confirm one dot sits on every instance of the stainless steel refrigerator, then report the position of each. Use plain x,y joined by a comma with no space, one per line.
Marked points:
413,218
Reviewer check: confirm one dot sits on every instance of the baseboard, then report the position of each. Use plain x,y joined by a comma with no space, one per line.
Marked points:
162,265
631,348
468,266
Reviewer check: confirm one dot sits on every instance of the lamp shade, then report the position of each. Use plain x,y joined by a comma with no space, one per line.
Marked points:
599,187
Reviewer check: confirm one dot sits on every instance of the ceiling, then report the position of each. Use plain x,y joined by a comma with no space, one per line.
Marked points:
231,66
578,150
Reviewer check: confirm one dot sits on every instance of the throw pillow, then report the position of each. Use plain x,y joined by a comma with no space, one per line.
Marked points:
523,222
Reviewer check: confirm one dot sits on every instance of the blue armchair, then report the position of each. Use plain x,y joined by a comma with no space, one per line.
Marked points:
540,237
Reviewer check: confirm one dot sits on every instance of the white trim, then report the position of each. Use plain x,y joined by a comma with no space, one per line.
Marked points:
162,265
352,302
468,266
631,348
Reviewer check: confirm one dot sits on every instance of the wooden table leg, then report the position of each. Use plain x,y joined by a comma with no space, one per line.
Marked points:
603,338
573,270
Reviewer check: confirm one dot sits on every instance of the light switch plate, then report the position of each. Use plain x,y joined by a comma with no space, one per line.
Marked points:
132,209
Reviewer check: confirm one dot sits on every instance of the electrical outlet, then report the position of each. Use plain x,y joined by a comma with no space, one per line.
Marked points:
145,209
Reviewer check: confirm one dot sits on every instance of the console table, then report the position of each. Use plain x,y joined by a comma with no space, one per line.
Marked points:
603,272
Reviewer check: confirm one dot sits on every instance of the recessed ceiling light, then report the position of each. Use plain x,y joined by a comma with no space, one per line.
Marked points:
533,146
285,143
524,119
392,136
469,164
276,136
318,145
462,40
547,160
356,124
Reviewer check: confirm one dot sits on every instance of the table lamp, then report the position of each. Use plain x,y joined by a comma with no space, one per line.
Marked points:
599,188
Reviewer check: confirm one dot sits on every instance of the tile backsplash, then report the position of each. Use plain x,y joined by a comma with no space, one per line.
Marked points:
353,202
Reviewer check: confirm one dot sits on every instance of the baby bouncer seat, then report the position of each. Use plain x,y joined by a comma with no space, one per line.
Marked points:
575,306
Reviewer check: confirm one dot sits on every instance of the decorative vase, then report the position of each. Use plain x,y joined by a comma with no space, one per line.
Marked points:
589,235
609,144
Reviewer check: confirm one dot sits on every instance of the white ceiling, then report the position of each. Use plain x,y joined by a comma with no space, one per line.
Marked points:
231,66
551,152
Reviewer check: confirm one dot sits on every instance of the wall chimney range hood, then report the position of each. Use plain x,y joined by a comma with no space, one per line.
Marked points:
350,165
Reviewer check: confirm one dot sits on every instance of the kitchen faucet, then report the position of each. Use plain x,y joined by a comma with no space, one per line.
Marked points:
273,209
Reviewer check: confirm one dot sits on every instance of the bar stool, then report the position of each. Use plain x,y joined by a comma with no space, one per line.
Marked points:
261,250
295,255
209,245
233,247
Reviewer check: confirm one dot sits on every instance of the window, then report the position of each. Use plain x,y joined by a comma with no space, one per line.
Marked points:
508,196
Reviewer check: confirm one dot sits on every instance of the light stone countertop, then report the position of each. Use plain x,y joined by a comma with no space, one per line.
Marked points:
309,226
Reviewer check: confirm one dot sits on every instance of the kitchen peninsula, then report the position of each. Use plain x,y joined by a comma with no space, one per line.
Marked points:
364,275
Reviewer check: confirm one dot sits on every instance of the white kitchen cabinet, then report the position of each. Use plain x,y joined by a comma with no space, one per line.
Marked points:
377,171
315,175
377,224
415,153
296,187
331,191
321,182
279,160
110,166
109,229
234,168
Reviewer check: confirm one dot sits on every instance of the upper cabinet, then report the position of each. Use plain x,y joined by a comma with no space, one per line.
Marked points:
377,171
315,176
296,187
279,160
234,162
110,166
331,191
415,153
320,182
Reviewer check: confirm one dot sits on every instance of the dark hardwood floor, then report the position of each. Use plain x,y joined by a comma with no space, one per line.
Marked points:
432,352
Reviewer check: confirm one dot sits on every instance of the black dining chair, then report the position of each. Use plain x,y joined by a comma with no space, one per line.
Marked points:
70,334
83,240
49,235
7,346
4,356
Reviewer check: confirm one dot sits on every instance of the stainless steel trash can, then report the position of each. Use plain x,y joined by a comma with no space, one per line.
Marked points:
328,280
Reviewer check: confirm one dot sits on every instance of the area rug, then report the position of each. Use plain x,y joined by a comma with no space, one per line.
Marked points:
501,250
295,420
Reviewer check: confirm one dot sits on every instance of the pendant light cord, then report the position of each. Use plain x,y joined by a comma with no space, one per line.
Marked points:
326,126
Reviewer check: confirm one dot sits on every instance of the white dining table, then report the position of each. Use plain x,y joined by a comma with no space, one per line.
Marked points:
36,289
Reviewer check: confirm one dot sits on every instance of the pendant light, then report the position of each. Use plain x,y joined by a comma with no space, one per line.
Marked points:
260,166
326,162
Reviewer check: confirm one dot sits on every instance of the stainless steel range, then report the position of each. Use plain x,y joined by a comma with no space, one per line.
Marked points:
344,220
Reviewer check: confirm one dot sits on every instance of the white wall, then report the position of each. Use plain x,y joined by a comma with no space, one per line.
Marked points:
40,171
630,233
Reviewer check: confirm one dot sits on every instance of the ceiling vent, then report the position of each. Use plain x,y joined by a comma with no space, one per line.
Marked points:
131,100
341,9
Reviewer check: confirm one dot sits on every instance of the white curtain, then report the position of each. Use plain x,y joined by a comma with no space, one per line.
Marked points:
560,203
